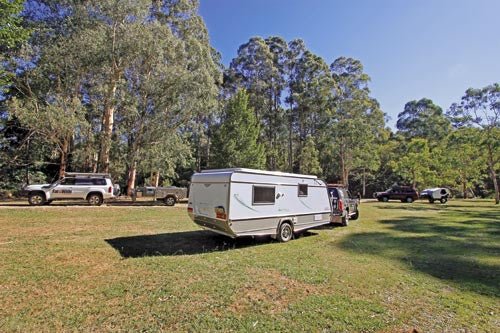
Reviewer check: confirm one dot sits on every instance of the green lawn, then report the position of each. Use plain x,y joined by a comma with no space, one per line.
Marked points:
401,266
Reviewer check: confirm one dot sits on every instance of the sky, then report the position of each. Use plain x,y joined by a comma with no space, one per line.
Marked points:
411,49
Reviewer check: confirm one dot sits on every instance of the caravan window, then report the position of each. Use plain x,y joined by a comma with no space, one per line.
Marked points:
263,195
302,190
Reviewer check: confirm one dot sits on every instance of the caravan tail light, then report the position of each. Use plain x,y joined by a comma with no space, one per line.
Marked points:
341,205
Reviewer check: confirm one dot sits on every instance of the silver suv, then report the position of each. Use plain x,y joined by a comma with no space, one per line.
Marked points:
93,187
344,206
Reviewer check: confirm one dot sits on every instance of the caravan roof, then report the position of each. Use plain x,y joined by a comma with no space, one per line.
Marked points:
259,172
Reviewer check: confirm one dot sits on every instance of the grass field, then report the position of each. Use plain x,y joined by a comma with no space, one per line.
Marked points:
401,266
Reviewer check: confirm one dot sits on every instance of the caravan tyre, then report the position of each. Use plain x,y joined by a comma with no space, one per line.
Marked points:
285,232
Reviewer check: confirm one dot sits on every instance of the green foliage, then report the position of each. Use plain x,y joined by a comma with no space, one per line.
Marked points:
481,108
423,119
461,163
356,125
236,142
309,158
415,162
12,33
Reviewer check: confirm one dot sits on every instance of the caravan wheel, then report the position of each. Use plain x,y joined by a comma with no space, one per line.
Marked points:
285,232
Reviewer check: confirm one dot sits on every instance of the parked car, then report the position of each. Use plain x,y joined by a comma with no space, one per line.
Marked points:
432,194
93,187
170,195
345,207
402,193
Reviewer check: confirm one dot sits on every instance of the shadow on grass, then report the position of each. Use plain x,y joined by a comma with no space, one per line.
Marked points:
183,243
449,246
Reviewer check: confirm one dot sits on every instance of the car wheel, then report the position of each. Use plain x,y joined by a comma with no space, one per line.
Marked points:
36,199
355,216
285,232
431,200
409,199
170,201
385,199
95,199
443,200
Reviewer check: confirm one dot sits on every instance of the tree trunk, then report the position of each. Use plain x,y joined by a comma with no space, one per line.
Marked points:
64,158
491,167
363,191
495,183
290,144
155,180
108,120
464,189
107,125
131,178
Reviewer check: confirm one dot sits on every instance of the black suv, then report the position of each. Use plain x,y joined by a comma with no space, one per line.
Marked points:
402,193
344,206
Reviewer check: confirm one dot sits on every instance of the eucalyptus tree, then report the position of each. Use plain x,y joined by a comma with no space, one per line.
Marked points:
461,163
47,93
12,34
310,83
356,124
296,49
259,69
423,119
480,108
415,163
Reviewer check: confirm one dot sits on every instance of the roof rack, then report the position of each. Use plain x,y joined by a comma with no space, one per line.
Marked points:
87,174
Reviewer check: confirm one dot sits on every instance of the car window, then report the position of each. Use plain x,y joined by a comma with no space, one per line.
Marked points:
67,181
333,192
83,181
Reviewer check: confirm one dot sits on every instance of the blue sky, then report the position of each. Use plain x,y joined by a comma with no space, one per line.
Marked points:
410,48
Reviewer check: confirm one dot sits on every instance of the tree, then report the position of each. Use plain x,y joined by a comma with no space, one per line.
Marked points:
259,69
356,124
423,119
309,158
415,164
461,163
310,83
236,141
481,108
12,33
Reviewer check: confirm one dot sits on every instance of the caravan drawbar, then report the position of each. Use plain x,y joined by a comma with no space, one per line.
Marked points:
246,202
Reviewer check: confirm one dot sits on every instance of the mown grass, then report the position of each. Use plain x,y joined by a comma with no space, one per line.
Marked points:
401,266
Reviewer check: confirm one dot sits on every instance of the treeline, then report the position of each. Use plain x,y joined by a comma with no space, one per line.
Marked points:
135,89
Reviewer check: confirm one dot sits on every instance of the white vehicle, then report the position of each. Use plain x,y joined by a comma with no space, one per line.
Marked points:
93,187
247,202
432,194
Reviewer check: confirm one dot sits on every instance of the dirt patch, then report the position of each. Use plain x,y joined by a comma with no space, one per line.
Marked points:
270,290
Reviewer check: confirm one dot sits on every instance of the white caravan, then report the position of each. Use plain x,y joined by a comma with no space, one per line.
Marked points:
247,202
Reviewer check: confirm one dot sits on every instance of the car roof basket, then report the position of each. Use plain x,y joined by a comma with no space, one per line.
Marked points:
88,175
